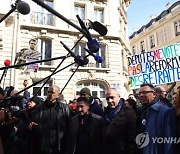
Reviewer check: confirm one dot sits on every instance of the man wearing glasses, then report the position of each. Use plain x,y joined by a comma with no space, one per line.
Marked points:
50,124
120,125
156,120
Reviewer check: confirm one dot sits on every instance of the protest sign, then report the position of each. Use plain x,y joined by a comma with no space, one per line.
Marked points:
156,67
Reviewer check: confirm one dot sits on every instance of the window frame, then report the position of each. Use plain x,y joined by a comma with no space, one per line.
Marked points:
177,27
41,44
42,91
142,46
152,41
96,14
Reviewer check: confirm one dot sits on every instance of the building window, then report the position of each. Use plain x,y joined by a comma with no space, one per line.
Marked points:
177,27
80,10
45,47
102,53
43,92
152,41
122,58
133,50
79,50
42,16
99,15
164,36
142,46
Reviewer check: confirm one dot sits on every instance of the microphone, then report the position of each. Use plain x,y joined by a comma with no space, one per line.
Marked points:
96,57
23,7
6,63
92,44
98,27
78,59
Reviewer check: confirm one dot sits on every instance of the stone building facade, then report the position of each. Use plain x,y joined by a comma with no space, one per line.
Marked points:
17,29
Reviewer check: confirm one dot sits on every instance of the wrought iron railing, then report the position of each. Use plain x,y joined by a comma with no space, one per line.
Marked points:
42,18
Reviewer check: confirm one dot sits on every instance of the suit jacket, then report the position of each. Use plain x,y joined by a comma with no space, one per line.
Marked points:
160,122
96,134
120,133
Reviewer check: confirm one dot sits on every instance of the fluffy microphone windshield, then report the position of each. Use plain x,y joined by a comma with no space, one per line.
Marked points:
23,7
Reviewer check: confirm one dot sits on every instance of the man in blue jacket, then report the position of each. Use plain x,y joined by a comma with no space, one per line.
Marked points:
156,122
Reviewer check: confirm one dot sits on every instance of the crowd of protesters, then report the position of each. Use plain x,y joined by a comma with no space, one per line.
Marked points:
86,126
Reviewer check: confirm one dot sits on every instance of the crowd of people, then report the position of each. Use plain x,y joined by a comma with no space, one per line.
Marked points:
85,126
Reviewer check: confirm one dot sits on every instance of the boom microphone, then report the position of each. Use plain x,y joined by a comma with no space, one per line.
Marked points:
81,61
92,44
23,7
96,57
98,27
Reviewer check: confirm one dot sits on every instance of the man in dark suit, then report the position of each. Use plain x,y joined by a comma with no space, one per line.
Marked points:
86,131
120,125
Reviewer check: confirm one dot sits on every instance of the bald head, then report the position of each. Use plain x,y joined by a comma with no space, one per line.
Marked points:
161,92
53,93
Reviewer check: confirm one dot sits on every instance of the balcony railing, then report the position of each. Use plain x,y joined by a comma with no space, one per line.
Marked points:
92,64
42,18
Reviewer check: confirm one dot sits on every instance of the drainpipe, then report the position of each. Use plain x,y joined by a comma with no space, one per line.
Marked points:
14,47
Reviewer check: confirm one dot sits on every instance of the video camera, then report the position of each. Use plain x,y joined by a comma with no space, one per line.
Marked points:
12,104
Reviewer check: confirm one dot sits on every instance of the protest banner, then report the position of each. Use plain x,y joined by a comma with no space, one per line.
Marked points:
159,66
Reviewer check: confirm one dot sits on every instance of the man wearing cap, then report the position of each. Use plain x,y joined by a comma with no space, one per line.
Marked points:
94,106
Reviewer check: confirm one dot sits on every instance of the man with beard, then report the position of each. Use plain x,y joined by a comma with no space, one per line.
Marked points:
50,124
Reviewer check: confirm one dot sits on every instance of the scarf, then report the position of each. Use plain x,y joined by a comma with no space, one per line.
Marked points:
110,114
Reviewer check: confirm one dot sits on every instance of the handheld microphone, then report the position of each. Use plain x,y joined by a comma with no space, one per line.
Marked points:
96,57
6,63
23,7
98,27
78,59
92,44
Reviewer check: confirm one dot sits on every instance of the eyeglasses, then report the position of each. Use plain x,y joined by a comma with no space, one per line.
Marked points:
33,43
52,92
110,97
145,92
